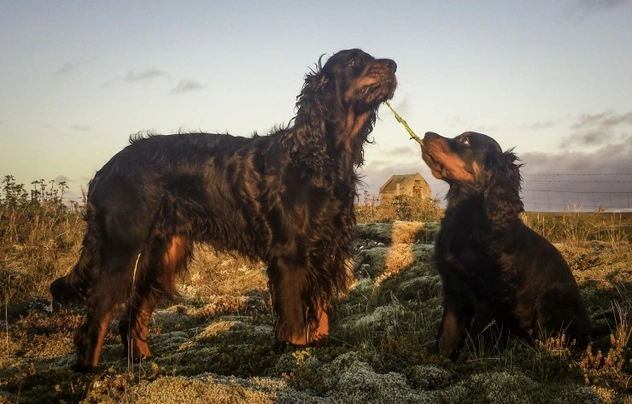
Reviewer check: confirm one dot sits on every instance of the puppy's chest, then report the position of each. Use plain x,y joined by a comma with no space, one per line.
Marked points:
465,246
465,242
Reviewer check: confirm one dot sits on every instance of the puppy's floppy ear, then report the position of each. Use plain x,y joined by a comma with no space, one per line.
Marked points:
502,195
504,168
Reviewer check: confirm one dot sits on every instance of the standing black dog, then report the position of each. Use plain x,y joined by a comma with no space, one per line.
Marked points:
286,199
493,266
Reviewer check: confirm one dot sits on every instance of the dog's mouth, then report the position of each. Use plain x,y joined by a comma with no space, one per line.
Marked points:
433,153
380,91
430,156
376,85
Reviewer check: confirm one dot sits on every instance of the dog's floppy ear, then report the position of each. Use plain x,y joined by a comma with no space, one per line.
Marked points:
305,142
502,195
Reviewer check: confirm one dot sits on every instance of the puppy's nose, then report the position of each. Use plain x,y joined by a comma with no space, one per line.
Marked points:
431,135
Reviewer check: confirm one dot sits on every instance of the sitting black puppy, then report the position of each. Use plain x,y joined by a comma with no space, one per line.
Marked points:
493,266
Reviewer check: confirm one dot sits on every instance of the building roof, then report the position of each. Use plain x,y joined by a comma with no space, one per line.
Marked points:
402,180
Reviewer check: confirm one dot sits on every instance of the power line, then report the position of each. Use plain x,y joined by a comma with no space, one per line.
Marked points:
573,174
558,198
576,192
581,181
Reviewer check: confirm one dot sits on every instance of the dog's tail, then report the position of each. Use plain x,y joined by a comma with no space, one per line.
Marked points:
74,287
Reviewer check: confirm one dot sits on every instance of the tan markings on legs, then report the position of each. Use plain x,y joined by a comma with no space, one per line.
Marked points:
319,335
174,260
103,329
451,334
140,333
299,338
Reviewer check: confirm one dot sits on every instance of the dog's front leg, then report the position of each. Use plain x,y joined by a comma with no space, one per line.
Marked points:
458,311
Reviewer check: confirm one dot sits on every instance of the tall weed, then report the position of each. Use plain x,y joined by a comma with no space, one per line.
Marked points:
39,237
402,207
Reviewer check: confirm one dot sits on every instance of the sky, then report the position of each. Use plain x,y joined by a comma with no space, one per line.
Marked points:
551,79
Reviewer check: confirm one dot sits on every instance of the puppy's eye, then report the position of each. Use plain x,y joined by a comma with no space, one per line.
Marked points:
464,141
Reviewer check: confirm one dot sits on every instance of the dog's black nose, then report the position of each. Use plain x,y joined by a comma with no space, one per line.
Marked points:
431,135
392,66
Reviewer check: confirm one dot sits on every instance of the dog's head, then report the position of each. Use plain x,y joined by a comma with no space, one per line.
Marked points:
337,107
360,80
462,159
473,163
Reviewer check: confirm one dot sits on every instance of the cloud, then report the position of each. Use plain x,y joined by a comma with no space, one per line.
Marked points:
605,119
600,4
586,180
185,86
145,75
132,77
71,67
404,152
81,128
149,75
614,158
66,69
541,124
598,129
461,125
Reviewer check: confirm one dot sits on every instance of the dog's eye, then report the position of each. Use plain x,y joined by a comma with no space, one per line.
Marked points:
464,141
355,62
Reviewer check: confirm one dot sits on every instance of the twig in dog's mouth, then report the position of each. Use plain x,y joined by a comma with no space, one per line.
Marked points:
403,122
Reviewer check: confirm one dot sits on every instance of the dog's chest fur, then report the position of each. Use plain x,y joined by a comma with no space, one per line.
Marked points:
467,246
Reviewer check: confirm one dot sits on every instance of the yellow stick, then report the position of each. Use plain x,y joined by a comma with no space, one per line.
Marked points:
403,122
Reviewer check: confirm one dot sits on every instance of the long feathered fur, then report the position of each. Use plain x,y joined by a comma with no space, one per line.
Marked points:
286,198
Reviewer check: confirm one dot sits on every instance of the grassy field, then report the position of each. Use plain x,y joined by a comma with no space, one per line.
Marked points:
215,343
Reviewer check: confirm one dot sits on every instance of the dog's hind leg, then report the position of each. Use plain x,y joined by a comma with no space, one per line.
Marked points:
111,287
139,308
134,326
165,262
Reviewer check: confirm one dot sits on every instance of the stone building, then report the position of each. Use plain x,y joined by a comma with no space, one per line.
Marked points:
412,185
